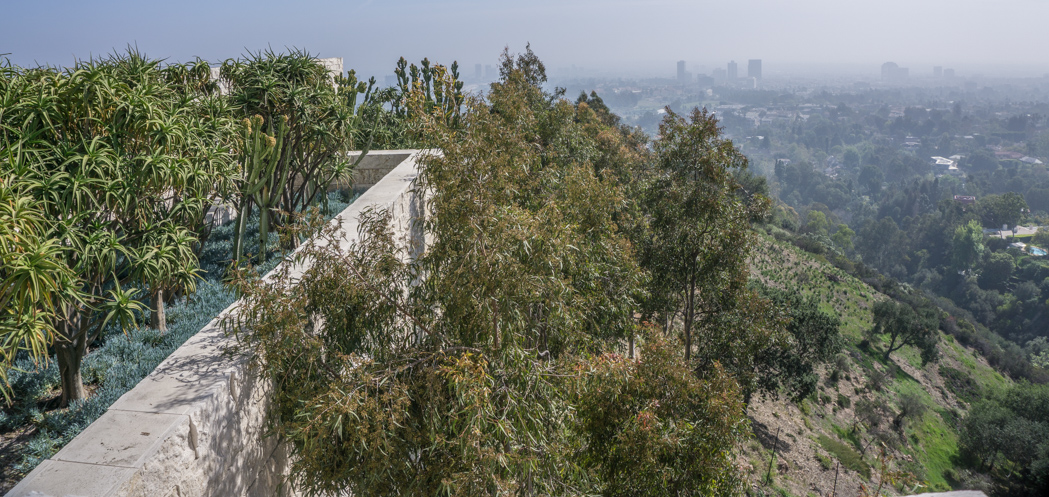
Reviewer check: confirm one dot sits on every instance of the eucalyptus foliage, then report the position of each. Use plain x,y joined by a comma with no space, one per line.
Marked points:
488,364
695,242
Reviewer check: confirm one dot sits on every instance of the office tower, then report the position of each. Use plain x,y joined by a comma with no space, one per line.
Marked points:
683,76
732,71
754,68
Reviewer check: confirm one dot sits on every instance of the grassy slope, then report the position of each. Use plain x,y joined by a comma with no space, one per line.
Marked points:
927,444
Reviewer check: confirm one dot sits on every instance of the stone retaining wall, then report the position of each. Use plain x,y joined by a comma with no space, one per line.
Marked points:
195,425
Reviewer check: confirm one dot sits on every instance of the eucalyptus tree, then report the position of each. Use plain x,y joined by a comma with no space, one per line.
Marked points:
698,230
464,371
132,157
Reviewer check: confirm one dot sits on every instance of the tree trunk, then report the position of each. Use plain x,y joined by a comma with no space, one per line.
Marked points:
70,350
892,344
690,313
157,317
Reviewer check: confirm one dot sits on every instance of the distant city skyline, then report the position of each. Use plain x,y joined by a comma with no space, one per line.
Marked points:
629,36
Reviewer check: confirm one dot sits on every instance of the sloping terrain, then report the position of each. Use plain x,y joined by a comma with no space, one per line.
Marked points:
863,403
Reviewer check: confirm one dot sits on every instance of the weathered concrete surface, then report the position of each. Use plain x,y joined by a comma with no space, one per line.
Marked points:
374,167
195,425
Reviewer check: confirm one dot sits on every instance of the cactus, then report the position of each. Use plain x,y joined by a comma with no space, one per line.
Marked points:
261,182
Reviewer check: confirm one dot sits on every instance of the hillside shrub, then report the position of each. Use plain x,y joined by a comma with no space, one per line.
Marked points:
962,385
848,456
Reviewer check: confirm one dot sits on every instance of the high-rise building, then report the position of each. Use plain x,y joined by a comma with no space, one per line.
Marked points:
888,70
732,71
948,73
754,68
937,72
478,71
489,72
683,76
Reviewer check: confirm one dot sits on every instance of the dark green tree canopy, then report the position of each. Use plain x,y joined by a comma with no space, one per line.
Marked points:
906,325
815,338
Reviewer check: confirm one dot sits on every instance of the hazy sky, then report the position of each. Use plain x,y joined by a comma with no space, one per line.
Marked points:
597,34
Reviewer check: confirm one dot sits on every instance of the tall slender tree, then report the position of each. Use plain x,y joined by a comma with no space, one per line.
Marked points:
699,220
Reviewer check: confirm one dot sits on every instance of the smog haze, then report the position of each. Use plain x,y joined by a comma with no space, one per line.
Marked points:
605,37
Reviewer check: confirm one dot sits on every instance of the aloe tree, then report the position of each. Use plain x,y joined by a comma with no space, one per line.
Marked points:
293,99
33,278
166,261
129,152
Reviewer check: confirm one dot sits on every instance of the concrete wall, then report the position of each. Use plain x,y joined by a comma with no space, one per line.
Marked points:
374,166
195,425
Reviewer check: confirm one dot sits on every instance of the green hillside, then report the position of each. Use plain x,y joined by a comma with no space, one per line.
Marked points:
863,402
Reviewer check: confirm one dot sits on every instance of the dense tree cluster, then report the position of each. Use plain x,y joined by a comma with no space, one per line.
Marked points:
516,354
862,162
1007,434
122,160
501,359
